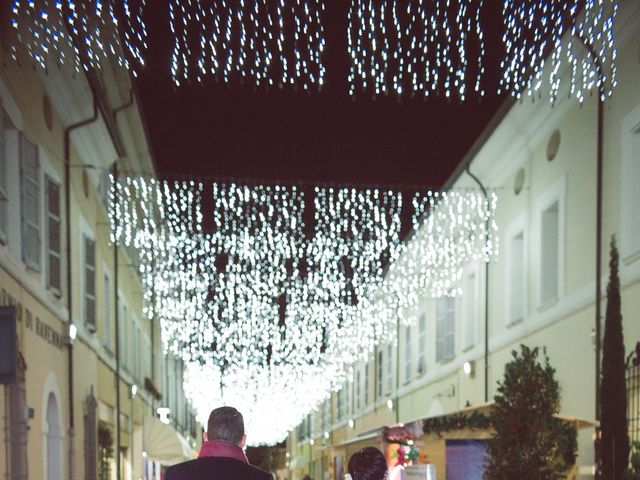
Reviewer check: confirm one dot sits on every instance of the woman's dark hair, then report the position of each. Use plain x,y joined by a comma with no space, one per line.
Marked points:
368,464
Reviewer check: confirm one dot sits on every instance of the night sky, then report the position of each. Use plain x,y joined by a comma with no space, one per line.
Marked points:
235,131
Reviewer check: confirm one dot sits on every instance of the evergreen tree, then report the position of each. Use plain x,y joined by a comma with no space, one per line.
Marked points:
634,470
529,443
614,440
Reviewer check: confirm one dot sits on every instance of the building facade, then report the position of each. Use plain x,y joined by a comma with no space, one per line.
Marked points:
91,374
541,160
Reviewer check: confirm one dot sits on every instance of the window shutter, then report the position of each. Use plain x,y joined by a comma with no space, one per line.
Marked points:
90,284
53,236
445,328
4,200
422,338
106,301
30,203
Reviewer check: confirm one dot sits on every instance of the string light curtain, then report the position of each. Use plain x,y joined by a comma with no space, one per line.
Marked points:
81,33
264,42
548,42
277,294
416,46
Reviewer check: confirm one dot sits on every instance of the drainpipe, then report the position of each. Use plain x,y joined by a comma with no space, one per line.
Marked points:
116,174
116,297
599,174
486,293
67,204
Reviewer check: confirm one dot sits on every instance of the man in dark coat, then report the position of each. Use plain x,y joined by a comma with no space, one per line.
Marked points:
222,456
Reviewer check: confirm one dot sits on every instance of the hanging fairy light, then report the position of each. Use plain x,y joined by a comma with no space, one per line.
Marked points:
83,34
264,42
416,47
249,294
548,41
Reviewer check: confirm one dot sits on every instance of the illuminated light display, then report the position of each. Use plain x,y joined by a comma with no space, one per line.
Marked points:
264,42
408,47
269,294
545,45
83,34
418,47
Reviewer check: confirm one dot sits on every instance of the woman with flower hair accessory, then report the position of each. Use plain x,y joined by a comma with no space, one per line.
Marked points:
367,464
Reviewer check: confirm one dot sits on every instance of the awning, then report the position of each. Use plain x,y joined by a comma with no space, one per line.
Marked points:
485,408
360,437
163,444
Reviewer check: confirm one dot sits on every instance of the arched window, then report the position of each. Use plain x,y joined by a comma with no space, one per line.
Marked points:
54,440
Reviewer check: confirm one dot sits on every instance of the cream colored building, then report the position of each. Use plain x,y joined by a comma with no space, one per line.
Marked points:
58,268
541,161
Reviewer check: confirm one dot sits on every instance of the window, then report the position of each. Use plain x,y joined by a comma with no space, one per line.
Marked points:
379,367
147,357
138,350
366,384
89,283
106,312
422,344
4,197
549,253
516,278
54,281
445,328
341,403
630,194
356,390
389,368
30,203
407,353
123,341
470,300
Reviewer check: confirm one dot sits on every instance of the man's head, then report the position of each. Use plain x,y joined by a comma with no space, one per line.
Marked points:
226,424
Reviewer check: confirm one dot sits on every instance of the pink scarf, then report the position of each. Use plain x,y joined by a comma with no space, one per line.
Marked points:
219,448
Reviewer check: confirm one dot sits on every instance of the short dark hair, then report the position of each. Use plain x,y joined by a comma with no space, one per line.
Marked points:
226,424
368,464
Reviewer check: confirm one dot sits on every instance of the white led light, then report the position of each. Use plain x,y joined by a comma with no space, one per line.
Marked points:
73,332
390,404
416,47
265,42
84,34
552,34
278,302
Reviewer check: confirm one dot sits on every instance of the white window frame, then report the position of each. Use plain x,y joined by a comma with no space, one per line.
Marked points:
516,228
629,192
357,389
379,372
367,393
470,307
421,366
32,264
408,354
49,217
389,369
136,336
441,355
90,327
557,193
